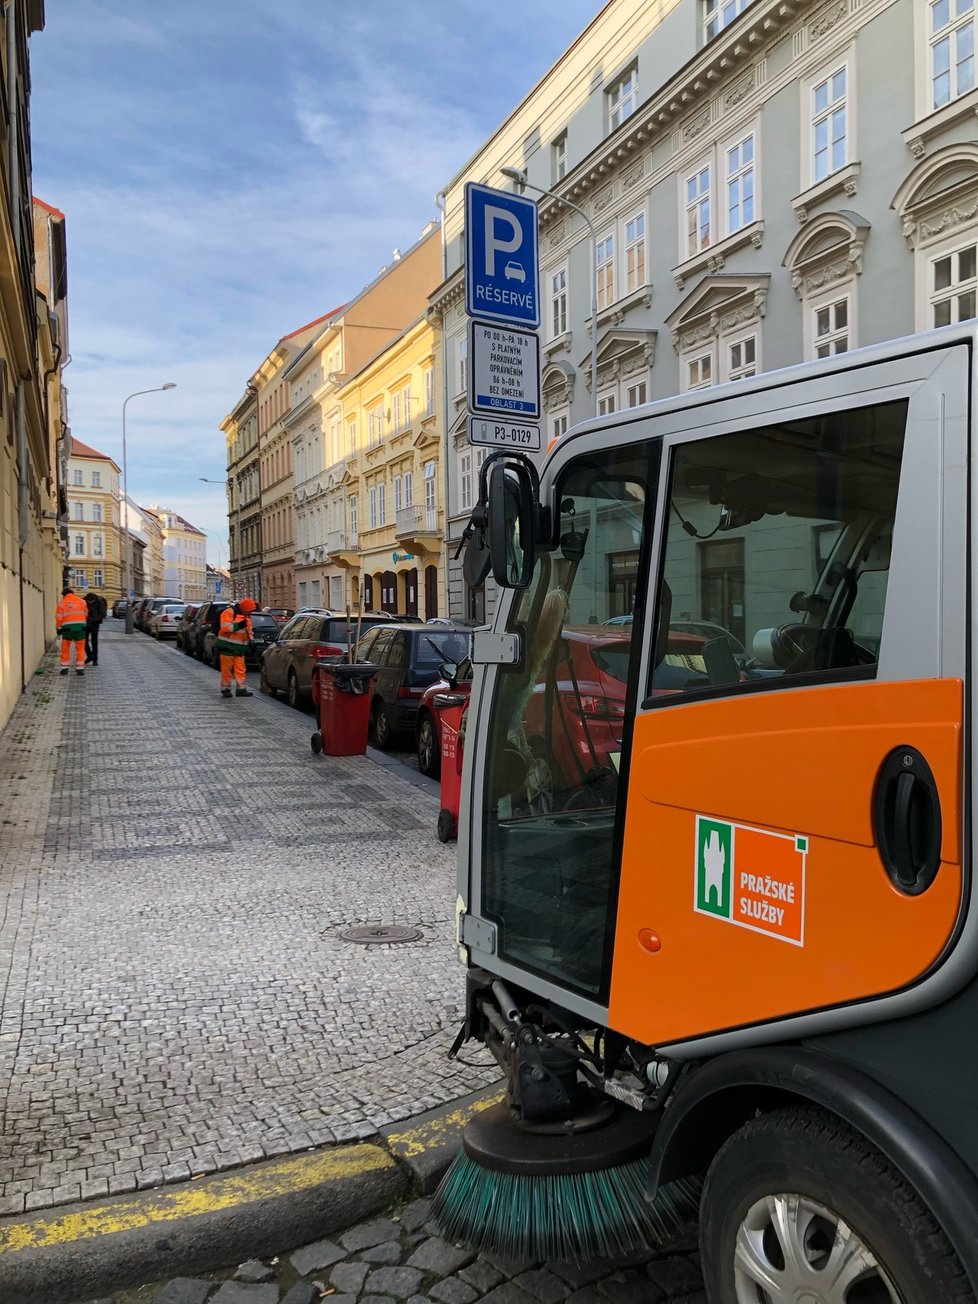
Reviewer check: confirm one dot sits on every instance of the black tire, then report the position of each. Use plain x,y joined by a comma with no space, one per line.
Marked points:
429,751
263,683
383,733
819,1173
446,825
292,693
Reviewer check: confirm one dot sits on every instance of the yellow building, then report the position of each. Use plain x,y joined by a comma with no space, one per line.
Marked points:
393,504
94,557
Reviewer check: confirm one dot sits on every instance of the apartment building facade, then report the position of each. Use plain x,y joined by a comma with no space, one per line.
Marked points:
331,430
184,556
143,531
240,429
94,539
30,509
760,188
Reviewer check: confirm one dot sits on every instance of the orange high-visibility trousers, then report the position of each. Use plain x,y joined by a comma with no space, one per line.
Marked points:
79,645
232,668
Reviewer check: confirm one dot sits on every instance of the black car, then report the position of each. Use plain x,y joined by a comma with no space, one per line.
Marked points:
408,658
186,620
264,633
207,621
310,636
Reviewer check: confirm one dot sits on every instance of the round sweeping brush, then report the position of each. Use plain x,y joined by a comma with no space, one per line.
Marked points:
576,1196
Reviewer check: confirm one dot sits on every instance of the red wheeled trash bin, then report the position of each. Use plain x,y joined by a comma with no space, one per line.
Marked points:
450,708
341,690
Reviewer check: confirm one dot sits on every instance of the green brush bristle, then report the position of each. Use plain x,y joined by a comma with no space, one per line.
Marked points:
576,1217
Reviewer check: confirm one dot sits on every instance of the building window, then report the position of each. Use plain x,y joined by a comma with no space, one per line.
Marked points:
96,479
622,98
80,579
953,285
830,328
430,508
830,137
742,358
739,165
605,259
406,404
720,14
77,477
372,500
408,488
397,493
635,252
952,50
429,391
96,511
79,511
558,157
396,412
698,231
353,519
558,302
462,350
351,437
465,481
97,545
381,504
636,395
558,425
699,372
79,545
607,403
98,579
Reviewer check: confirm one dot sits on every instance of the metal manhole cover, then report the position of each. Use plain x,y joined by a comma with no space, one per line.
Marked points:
370,934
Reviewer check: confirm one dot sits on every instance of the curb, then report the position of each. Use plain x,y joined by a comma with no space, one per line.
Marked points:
88,1249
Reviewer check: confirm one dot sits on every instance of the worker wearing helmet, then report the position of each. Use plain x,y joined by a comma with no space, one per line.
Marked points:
71,622
233,636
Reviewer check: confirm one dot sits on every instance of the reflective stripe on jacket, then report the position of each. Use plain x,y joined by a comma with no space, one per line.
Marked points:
71,616
234,633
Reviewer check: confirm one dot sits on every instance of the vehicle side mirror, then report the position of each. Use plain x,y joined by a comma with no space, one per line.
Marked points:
449,671
511,524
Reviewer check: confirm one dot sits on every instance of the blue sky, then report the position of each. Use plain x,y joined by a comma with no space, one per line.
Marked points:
231,169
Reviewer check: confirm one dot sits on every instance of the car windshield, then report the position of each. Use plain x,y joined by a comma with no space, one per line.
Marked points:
262,621
174,610
613,659
434,648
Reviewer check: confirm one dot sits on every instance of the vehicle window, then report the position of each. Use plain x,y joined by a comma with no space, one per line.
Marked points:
613,659
365,645
175,610
380,646
260,621
397,657
777,553
302,627
436,647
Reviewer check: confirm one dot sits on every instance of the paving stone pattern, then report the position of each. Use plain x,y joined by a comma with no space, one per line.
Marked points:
175,869
418,1267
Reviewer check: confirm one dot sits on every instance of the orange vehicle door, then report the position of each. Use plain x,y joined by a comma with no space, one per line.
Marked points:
794,828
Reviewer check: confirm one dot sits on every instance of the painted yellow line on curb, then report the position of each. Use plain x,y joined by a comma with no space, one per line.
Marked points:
169,1204
414,1141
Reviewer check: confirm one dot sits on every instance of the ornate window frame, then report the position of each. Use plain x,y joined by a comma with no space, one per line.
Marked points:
723,309
825,260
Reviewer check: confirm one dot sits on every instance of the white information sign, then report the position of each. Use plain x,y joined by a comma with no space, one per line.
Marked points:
501,433
504,371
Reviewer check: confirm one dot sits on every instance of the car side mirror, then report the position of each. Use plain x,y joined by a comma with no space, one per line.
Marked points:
449,671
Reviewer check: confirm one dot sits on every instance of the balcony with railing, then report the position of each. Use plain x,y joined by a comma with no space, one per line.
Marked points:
343,547
416,522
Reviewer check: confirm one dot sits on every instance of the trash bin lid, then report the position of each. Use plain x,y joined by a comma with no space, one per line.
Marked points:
346,669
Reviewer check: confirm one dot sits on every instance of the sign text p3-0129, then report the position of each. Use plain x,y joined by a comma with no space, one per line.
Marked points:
502,266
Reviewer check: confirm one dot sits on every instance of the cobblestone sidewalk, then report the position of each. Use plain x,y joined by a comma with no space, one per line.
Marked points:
176,871
402,1258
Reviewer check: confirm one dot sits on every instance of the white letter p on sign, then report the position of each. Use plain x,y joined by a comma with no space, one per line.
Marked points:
499,244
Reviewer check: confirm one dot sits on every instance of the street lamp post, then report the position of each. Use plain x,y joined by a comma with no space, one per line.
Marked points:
130,614
519,176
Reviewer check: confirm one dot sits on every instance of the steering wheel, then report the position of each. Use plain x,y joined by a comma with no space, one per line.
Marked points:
796,646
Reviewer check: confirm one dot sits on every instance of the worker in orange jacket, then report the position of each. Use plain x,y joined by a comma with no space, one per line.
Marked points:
71,621
233,636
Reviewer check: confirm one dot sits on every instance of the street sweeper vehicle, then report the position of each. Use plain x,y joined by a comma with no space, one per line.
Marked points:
720,924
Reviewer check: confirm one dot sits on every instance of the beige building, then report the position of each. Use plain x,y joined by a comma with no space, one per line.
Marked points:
145,534
94,541
328,441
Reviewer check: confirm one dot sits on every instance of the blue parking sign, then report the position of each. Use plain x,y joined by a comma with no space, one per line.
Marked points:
502,265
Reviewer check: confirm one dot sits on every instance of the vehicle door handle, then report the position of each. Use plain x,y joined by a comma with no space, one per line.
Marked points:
907,820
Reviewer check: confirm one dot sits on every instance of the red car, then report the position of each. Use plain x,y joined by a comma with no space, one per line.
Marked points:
427,729
281,615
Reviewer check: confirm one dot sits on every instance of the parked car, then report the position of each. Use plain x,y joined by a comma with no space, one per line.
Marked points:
153,607
142,605
120,606
282,615
310,636
164,621
265,631
427,727
185,621
408,657
207,621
